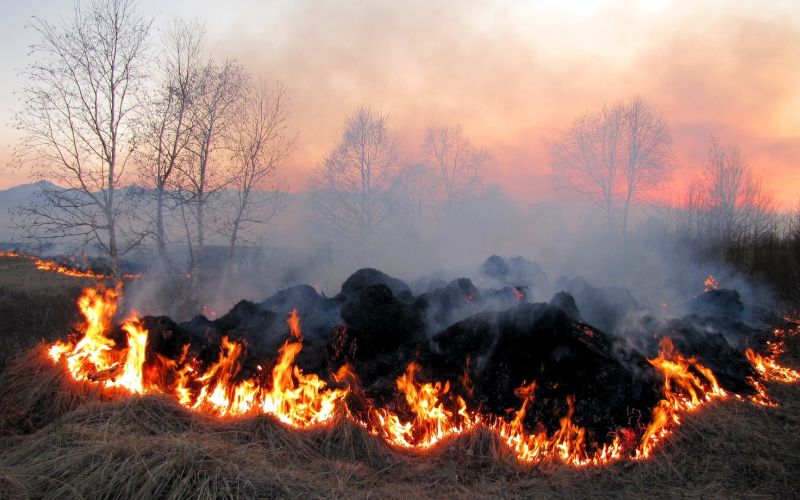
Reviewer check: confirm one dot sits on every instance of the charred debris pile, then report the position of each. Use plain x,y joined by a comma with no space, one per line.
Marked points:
488,337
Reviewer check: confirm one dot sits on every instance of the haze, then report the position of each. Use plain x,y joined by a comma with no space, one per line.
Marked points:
513,75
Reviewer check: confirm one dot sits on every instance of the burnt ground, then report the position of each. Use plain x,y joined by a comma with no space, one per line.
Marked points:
487,342
151,447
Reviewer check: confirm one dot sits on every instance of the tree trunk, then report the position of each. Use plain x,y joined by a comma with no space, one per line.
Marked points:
610,215
625,212
198,260
112,247
113,251
161,242
232,243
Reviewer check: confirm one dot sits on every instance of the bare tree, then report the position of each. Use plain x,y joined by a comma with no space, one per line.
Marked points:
646,139
220,90
615,153
260,147
76,123
168,120
351,189
458,162
413,193
728,204
586,159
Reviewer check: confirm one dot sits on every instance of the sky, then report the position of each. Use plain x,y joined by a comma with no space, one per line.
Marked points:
513,74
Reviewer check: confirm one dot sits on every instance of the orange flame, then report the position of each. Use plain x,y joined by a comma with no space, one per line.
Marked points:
710,283
687,386
767,366
94,357
432,421
433,411
50,265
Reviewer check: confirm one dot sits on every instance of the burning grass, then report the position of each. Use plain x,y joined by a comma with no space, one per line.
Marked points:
67,437
119,363
151,446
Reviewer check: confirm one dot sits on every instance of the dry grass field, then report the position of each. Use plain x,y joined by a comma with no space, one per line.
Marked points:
62,439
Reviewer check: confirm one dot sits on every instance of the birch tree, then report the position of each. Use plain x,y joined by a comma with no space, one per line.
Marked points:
219,95
76,124
728,203
612,156
260,146
457,160
168,124
351,190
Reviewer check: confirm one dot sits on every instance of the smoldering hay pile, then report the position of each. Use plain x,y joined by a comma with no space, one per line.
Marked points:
585,378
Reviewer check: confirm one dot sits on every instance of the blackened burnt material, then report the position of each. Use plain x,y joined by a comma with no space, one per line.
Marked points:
379,335
538,342
716,303
367,276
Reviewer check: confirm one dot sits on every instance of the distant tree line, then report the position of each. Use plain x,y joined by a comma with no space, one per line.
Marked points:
101,108
105,105
614,155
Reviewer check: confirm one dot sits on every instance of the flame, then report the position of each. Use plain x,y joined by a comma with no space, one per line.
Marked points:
767,366
568,444
428,412
687,386
50,265
296,398
94,357
432,421
710,283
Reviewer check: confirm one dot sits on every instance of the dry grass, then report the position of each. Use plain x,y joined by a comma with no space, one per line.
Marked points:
152,447
62,439
34,305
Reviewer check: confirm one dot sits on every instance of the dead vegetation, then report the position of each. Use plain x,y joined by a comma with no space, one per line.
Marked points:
35,305
60,438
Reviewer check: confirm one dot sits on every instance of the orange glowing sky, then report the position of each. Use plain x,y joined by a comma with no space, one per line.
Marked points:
514,74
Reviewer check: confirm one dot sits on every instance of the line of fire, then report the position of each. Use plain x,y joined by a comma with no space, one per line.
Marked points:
537,375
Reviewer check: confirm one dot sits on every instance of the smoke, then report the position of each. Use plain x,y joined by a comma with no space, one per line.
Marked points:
515,75
564,247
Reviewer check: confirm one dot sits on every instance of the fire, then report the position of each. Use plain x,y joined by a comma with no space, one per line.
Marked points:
687,386
296,398
568,443
131,377
293,397
95,357
432,421
428,412
93,353
710,283
53,266
768,367
48,265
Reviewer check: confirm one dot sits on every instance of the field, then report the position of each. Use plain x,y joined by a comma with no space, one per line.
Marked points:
62,439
